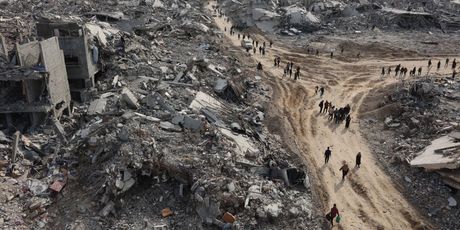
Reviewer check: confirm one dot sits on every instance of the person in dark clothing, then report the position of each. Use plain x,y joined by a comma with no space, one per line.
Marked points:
239,36
260,50
332,55
326,105
321,104
263,51
453,74
259,66
257,43
347,121
413,71
327,155
279,60
264,44
429,63
254,50
332,214
321,91
122,44
439,65
420,71
274,60
383,71
271,43
317,53
344,170
389,71
454,64
244,36
447,63
358,160
290,72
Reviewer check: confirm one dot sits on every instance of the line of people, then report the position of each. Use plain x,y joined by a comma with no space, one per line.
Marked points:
402,71
345,169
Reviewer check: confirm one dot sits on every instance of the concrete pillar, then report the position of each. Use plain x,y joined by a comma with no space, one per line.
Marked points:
3,49
56,32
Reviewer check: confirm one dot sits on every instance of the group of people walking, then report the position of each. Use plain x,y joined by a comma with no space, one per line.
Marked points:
289,69
337,115
401,71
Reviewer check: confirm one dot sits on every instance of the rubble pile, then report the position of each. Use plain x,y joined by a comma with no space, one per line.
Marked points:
415,133
171,135
286,17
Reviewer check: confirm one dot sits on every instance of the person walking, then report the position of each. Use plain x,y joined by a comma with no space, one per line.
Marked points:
254,50
332,214
321,104
321,91
347,121
439,65
332,55
316,89
327,155
420,71
358,160
344,170
447,63
259,66
454,64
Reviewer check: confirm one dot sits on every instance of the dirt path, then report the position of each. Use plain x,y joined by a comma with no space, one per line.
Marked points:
367,199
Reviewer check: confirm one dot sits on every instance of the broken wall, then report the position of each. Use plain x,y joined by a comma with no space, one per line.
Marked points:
53,60
29,54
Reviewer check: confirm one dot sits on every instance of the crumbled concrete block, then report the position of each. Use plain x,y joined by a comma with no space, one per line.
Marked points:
128,97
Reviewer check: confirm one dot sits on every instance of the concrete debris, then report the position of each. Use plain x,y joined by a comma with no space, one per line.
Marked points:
127,107
128,97
97,106
452,202
170,127
443,153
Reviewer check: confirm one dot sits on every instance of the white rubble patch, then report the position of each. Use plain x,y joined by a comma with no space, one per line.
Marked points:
203,100
243,144
443,153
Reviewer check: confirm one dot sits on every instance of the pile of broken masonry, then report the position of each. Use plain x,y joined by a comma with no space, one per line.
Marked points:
171,106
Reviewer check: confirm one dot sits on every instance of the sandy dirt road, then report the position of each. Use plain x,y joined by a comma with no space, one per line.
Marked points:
368,198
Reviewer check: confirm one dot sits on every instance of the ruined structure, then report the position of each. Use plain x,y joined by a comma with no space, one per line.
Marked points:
37,87
80,53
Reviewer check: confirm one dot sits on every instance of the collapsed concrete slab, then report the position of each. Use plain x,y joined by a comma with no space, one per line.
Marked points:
81,53
443,153
36,88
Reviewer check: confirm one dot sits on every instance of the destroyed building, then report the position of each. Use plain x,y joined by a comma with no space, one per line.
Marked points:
81,54
37,87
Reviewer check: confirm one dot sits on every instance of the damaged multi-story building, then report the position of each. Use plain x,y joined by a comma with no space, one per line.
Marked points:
81,54
34,87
